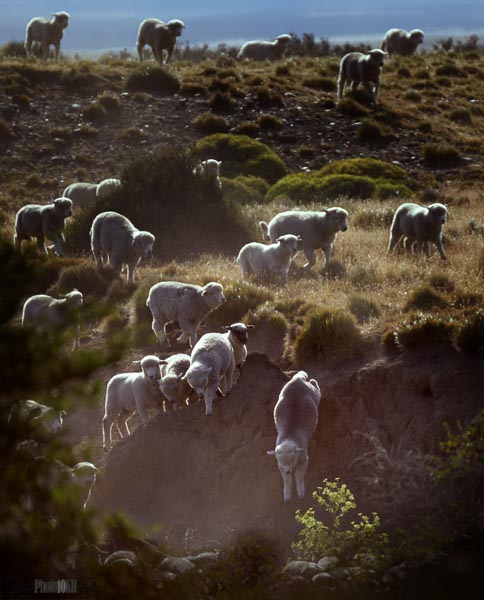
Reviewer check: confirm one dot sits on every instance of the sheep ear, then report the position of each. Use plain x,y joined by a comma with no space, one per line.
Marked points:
136,362
280,240
250,326
227,327
271,452
184,378
62,413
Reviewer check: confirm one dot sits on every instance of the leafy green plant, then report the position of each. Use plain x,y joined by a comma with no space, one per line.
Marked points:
367,167
310,187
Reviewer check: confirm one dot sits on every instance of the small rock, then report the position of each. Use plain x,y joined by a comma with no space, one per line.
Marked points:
179,566
75,106
204,559
328,562
122,556
301,568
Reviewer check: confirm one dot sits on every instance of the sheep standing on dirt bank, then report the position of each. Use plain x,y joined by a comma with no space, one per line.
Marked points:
42,312
263,50
83,193
172,385
399,41
40,222
238,336
159,36
40,29
183,302
121,241
317,229
130,393
45,420
211,168
212,366
296,417
275,259
418,224
357,68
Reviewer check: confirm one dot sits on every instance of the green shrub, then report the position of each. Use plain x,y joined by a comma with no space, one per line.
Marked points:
269,122
470,334
256,183
240,155
208,123
327,336
425,298
367,167
385,190
371,218
239,192
441,156
241,298
320,83
152,79
422,330
363,308
166,179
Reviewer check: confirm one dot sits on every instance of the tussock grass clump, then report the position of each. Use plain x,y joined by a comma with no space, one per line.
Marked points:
441,156
365,276
423,330
5,132
351,108
208,123
425,298
87,278
301,188
470,334
363,308
33,181
269,333
110,101
133,134
367,167
95,112
412,96
460,115
248,128
152,79
240,155
320,83
221,102
241,297
269,122
333,269
283,70
441,282
140,317
371,131
328,336
450,69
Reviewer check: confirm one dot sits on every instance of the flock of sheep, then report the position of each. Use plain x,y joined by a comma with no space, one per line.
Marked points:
214,364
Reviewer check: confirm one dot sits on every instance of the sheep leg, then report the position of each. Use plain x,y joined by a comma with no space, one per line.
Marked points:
408,245
58,246
76,343
57,50
327,252
354,85
395,237
309,253
124,417
159,331
341,85
158,52
107,427
208,396
299,476
139,48
369,89
440,248
41,244
28,44
287,479
130,273
169,54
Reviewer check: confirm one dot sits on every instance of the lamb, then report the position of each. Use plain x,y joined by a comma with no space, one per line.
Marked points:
399,41
238,337
44,420
42,312
183,302
296,417
212,367
357,68
263,50
121,240
40,29
211,168
418,224
175,390
159,36
106,186
83,193
129,393
40,222
318,229
274,259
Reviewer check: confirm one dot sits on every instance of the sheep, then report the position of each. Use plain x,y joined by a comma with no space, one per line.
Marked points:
83,193
129,393
238,337
39,221
212,367
121,240
211,168
106,186
274,259
40,29
263,50
183,302
318,229
357,68
159,36
296,417
418,224
171,385
42,311
45,420
399,41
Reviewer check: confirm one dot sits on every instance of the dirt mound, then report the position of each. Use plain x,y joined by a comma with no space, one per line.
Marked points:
184,470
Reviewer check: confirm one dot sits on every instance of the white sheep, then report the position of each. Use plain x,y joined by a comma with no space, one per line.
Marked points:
263,50
43,312
317,229
418,224
238,337
40,222
212,367
106,186
130,393
83,193
399,41
123,243
183,302
175,390
296,417
159,36
210,168
274,259
45,420
357,68
83,476
40,29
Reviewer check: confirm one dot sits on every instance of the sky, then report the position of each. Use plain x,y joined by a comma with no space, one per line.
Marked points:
112,24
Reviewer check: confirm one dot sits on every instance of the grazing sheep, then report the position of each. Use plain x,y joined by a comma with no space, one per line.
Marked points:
45,420
172,386
399,41
211,168
238,337
121,240
129,393
262,50
159,36
42,312
295,416
183,302
212,366
317,229
418,224
357,68
40,29
40,222
274,259
82,193
106,186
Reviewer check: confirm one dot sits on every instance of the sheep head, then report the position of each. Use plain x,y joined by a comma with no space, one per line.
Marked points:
377,57
438,212
61,19
143,244
290,242
238,331
74,299
283,40
63,207
150,365
176,27
213,294
287,454
417,36
198,377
